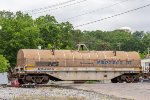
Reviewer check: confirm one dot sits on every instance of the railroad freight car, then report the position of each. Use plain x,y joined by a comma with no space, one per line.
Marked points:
40,66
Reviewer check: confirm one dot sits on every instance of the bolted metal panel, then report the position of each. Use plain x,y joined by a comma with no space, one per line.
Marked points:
86,75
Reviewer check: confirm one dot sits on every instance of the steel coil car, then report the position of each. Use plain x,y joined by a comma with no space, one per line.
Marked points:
40,66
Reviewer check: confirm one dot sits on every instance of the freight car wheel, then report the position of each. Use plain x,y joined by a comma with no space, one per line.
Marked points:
45,79
129,79
41,79
20,81
28,78
114,80
136,78
38,80
120,80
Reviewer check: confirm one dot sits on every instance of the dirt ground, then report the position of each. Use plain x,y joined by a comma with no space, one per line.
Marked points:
136,91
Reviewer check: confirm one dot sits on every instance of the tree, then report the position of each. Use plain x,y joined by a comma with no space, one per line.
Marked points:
139,34
3,64
49,30
17,33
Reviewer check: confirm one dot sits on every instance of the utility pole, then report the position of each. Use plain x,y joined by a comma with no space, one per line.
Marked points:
0,27
148,49
119,45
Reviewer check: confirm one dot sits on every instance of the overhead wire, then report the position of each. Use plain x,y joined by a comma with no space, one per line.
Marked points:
132,10
45,10
89,12
51,6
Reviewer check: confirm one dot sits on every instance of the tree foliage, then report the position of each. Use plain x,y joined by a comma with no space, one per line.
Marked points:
3,64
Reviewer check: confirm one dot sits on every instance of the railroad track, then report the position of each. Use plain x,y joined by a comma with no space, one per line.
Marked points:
60,85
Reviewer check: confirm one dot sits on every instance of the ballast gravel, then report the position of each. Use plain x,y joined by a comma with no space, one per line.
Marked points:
51,93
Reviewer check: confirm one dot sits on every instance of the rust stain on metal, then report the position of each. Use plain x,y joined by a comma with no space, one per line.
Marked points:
68,58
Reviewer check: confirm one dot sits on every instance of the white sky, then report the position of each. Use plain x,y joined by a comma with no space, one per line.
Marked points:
138,20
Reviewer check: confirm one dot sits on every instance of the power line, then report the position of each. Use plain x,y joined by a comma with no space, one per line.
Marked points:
45,10
94,10
113,16
48,7
60,7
